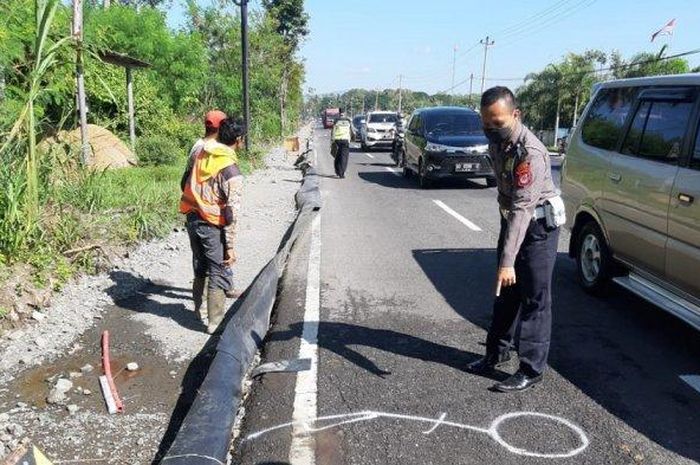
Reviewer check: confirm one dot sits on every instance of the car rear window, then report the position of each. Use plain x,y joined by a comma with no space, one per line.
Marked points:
453,123
383,118
606,119
657,130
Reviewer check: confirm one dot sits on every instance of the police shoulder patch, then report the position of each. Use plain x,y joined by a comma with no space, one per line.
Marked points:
523,174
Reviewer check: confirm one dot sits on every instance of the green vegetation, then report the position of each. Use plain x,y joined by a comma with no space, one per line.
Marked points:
572,79
59,216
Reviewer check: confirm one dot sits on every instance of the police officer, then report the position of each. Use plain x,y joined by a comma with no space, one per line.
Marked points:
340,137
531,212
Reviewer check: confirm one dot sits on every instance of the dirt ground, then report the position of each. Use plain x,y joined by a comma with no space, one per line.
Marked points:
145,304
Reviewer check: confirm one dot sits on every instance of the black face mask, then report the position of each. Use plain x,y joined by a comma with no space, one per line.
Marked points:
498,135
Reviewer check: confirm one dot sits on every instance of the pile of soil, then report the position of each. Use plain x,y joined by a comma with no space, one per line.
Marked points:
107,151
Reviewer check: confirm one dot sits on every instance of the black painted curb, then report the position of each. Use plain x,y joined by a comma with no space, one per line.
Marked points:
204,437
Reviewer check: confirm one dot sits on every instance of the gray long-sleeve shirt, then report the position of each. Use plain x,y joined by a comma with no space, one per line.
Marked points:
524,178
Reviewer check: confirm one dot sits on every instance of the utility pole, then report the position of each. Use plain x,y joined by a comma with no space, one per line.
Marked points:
376,101
400,77
80,79
486,43
454,65
471,84
244,57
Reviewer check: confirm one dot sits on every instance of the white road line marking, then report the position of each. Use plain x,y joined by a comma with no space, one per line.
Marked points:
393,171
303,448
692,380
371,156
459,217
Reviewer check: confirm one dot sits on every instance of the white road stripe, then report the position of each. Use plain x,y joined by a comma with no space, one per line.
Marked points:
371,156
303,448
393,171
459,217
692,380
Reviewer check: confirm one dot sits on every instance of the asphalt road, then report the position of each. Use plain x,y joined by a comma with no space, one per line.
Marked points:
405,301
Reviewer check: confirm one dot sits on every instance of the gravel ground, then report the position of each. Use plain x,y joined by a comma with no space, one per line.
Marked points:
145,303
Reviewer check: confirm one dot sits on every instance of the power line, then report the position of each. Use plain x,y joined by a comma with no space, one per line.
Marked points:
516,37
536,16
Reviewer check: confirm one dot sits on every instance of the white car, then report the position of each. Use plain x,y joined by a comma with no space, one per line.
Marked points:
379,129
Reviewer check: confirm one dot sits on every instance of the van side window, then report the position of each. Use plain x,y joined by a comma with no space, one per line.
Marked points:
657,130
695,159
606,118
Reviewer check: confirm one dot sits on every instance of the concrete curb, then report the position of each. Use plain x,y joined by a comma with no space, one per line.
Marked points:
204,437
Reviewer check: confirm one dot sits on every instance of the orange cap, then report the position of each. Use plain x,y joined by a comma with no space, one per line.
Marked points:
214,118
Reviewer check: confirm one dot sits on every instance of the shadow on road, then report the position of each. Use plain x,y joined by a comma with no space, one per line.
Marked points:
621,352
340,337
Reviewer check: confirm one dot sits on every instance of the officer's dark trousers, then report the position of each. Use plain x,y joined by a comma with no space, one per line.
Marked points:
342,152
208,244
523,313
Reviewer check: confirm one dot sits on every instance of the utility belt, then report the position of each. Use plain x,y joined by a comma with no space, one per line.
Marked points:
552,211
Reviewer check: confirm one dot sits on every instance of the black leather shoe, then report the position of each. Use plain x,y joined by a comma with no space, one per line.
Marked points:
518,382
488,363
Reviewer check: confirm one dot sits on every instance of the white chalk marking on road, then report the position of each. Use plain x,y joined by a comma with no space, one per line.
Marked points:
437,423
492,431
371,156
303,448
393,171
199,456
692,380
459,217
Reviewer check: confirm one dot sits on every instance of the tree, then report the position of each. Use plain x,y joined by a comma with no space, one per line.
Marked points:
292,21
648,64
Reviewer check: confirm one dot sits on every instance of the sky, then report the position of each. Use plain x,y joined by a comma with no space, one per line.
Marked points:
370,43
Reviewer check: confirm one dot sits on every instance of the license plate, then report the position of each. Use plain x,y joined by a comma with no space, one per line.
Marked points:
467,167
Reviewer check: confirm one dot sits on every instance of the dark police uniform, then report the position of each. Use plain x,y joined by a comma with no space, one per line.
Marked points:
527,243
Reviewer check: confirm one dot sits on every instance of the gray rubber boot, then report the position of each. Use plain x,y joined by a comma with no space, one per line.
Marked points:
198,287
216,303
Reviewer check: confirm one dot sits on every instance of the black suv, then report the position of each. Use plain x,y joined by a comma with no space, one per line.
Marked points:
445,142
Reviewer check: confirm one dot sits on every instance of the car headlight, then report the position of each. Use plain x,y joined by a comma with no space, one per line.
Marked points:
371,130
433,147
483,148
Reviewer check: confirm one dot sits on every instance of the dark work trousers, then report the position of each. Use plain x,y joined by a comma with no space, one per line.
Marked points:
342,152
523,312
208,248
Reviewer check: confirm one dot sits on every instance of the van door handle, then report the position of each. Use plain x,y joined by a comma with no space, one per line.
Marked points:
615,177
685,198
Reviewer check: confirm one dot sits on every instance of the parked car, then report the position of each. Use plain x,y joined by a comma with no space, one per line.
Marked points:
357,122
631,183
378,130
446,142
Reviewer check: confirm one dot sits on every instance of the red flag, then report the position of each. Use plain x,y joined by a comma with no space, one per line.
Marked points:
667,30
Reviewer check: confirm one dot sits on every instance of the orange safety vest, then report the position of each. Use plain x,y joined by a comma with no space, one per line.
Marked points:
199,195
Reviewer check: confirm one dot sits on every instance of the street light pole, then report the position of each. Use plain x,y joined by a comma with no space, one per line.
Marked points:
400,90
245,64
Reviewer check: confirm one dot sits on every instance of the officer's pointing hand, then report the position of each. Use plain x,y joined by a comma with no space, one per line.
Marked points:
505,278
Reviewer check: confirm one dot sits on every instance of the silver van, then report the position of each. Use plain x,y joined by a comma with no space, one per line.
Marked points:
631,184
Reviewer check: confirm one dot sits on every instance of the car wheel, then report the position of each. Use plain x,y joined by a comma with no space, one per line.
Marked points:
491,182
593,259
405,170
423,180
